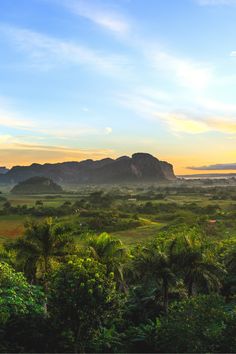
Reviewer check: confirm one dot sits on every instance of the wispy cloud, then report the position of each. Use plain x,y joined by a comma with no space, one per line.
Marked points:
212,105
73,130
181,71
99,14
17,153
46,52
182,123
219,167
187,123
51,129
180,120
12,120
216,2
185,72
223,124
151,109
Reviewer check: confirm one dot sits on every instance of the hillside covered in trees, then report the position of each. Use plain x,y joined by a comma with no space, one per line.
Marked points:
37,185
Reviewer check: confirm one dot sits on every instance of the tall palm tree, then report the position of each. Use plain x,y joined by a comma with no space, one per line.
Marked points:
110,251
195,262
155,262
229,259
41,243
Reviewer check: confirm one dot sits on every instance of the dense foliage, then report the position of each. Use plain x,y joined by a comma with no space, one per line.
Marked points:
65,286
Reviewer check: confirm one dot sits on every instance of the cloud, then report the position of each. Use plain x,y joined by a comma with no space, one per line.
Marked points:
216,2
178,120
100,15
108,130
25,154
73,130
182,123
219,167
212,105
185,72
191,124
46,52
23,150
13,120
53,127
223,124
6,138
152,109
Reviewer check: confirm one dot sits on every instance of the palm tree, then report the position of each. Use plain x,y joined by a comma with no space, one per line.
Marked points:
41,243
195,262
229,258
111,252
155,262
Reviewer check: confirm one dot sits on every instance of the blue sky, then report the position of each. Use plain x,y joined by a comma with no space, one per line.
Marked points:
95,78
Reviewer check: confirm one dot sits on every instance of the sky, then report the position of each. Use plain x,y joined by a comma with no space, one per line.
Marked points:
96,78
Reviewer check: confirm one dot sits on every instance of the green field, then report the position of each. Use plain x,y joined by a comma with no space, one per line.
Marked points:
138,234
125,199
11,226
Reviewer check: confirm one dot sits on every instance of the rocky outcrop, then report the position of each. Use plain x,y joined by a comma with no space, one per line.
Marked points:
168,170
37,185
141,167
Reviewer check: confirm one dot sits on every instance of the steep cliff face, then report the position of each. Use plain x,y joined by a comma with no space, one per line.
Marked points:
139,167
147,166
168,170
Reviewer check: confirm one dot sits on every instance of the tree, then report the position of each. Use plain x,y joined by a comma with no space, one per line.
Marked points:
39,203
7,207
19,303
155,263
228,255
111,252
195,325
99,198
42,243
17,297
196,262
82,297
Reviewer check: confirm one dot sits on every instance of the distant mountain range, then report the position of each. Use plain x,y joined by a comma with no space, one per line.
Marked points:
141,167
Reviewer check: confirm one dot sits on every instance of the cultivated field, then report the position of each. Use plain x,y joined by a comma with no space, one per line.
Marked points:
131,213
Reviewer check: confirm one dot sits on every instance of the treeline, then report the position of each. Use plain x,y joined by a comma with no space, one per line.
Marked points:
174,293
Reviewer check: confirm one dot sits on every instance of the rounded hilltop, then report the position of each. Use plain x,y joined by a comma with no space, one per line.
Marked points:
37,185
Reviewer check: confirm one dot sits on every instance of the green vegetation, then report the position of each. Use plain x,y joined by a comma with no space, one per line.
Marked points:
119,269
36,185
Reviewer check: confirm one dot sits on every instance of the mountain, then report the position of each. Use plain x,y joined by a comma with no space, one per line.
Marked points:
141,167
37,185
3,170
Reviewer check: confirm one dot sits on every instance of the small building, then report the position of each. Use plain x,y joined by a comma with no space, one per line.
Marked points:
212,221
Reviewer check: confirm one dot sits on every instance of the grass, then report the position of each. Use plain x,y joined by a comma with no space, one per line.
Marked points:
138,234
11,226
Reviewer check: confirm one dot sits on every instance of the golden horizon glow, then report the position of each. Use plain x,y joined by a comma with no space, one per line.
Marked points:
28,154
